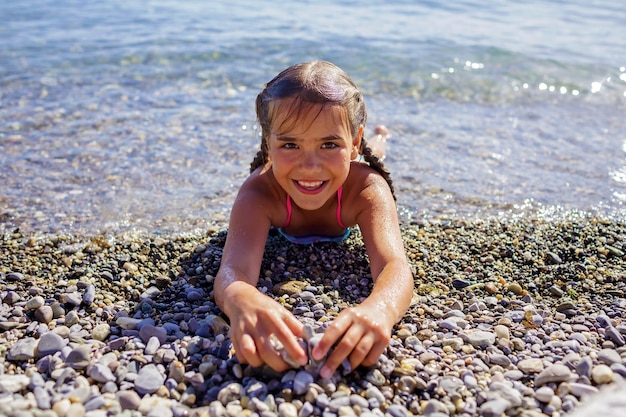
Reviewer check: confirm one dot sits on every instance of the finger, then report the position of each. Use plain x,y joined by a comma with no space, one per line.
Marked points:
375,352
287,331
247,352
336,329
341,352
269,355
362,350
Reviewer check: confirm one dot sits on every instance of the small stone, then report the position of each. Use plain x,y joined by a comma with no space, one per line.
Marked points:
128,323
554,373
44,400
609,356
530,365
49,344
459,284
149,380
290,288
544,394
481,338
73,298
102,373
152,346
11,298
583,367
376,377
553,258
232,391
398,410
615,336
502,332
217,409
129,400
71,318
302,381
34,303
23,349
44,314
601,374
287,410
149,331
79,357
101,332
14,277
581,390
89,295
494,408
500,359
13,383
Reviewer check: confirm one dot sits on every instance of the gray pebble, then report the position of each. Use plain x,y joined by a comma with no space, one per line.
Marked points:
79,357
23,349
89,295
554,373
148,331
102,373
302,381
49,344
494,408
581,390
481,338
44,314
149,380
129,400
34,303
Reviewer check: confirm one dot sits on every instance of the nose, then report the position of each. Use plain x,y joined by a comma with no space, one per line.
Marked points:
310,162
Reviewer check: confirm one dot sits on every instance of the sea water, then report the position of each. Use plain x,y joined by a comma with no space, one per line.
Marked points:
123,115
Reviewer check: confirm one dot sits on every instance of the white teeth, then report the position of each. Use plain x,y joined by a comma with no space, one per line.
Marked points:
310,184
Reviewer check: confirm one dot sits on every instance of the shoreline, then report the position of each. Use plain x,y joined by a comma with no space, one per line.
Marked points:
518,317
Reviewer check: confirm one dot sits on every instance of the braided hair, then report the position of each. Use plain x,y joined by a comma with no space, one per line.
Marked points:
311,83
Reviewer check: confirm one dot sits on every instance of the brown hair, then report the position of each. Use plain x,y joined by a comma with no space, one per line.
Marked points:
317,82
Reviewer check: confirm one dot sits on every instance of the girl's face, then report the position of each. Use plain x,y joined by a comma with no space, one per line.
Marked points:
310,156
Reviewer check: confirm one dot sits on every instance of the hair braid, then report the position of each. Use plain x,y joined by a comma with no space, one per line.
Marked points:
260,158
377,164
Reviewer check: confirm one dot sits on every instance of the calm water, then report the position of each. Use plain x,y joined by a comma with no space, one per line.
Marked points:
139,115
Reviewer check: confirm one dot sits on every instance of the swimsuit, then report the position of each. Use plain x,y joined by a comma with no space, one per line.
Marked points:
308,239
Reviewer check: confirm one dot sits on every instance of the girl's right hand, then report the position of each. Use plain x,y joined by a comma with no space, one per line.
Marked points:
254,317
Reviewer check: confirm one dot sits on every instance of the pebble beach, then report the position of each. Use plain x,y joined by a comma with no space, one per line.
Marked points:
509,318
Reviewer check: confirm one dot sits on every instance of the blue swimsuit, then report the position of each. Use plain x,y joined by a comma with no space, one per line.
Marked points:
308,239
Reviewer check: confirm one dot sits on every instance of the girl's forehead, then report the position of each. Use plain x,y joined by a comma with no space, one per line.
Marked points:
291,115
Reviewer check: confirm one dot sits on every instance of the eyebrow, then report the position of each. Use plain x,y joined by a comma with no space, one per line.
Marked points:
323,139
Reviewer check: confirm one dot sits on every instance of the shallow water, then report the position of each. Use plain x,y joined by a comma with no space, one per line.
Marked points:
121,115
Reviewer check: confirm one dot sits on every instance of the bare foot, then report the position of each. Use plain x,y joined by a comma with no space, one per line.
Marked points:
378,142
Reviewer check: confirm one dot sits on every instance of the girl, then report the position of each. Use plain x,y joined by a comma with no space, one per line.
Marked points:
307,182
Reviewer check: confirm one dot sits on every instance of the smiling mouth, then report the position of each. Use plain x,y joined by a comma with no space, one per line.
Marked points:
310,185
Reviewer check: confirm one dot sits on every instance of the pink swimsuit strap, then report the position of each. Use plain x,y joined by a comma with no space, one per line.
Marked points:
339,222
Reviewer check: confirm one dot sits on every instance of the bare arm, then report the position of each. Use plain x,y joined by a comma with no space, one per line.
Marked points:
253,315
363,332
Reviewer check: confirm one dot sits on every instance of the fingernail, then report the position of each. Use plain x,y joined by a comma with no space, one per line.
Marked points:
326,373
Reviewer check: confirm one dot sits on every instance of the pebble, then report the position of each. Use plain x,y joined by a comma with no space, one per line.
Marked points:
102,338
481,338
49,344
79,357
149,380
601,374
554,373
530,366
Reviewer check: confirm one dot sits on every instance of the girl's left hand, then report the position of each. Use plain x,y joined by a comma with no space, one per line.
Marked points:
364,334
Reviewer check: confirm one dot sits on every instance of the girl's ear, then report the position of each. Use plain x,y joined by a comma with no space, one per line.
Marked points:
356,143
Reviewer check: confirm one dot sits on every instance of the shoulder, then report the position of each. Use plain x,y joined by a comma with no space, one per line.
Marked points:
261,192
366,196
366,182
